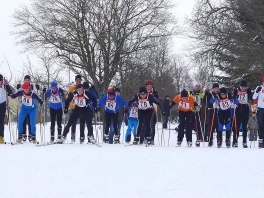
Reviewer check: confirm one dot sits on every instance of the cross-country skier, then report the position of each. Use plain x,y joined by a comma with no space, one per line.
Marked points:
132,122
55,95
259,96
146,103
111,101
244,96
81,99
4,91
28,107
224,105
186,105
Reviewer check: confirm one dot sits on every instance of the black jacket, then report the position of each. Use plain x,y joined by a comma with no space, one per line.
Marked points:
166,106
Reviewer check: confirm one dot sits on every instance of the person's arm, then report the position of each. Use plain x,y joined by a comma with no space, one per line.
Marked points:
18,93
256,92
92,97
131,100
102,101
158,102
36,96
121,101
68,100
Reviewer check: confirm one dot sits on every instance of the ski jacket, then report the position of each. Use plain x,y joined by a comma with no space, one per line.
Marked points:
243,98
95,94
166,107
71,90
133,112
259,96
5,89
198,95
112,105
28,101
155,93
55,98
184,106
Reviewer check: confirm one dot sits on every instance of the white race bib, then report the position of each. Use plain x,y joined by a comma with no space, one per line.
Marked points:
133,112
143,104
110,104
184,105
225,104
242,97
80,101
55,98
27,100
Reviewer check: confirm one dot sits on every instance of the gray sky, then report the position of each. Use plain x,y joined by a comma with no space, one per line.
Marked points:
11,51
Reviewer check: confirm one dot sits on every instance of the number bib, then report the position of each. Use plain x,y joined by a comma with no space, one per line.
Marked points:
225,104
110,104
80,101
242,97
133,112
55,98
143,104
27,100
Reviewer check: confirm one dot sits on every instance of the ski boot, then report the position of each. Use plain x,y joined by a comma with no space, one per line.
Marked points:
91,139
24,137
33,139
210,144
81,140
116,139
219,143
152,142
20,138
30,138
197,143
60,141
136,140
52,139
189,144
235,145
2,140
178,143
228,143
260,145
245,145
106,138
72,137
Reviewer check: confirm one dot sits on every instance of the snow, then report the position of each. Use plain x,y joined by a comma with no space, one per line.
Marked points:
77,171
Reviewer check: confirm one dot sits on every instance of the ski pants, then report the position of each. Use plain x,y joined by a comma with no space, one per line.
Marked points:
212,122
165,121
144,117
25,124
24,112
224,118
76,114
73,126
153,124
260,116
2,118
111,133
197,126
111,117
132,126
53,114
82,126
185,119
241,118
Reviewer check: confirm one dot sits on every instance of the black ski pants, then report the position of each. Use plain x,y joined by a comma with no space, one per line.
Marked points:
260,116
55,113
2,118
144,117
212,122
241,118
82,126
185,119
108,118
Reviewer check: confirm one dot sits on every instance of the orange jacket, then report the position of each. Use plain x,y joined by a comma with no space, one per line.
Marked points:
70,90
185,106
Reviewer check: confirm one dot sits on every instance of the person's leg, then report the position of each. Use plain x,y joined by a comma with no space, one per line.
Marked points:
59,120
2,119
53,114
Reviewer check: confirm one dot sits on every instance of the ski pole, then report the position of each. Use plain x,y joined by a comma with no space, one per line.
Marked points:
202,131
196,126
123,128
169,132
252,135
211,128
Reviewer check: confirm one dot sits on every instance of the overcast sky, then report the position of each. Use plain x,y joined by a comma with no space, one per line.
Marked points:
12,53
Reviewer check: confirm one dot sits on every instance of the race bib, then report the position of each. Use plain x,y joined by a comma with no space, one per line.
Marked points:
242,97
225,104
184,105
133,112
55,98
80,101
27,100
111,105
143,104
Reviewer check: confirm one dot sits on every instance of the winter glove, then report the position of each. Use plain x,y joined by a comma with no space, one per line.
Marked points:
258,89
44,90
61,91
95,110
65,111
5,81
18,86
37,86
163,113
31,86
125,110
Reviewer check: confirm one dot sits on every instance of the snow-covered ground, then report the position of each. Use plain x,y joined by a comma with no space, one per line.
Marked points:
113,171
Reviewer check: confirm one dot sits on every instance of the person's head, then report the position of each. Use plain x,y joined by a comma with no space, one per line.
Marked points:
78,79
79,89
149,86
117,91
27,78
197,87
167,97
143,92
53,85
111,92
223,92
184,95
215,87
254,110
26,87
243,85
1,79
85,85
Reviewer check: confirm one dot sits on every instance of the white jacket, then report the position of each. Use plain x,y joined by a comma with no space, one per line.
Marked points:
259,96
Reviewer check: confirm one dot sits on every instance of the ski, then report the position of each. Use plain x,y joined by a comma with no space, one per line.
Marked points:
96,144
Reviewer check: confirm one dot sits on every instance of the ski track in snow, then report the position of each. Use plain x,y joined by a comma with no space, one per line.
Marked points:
113,171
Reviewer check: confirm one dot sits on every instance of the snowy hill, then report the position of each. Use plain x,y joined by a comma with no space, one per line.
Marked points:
116,171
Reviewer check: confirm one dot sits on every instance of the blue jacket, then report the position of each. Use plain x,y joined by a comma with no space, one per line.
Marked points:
112,105
55,99
221,105
94,92
28,100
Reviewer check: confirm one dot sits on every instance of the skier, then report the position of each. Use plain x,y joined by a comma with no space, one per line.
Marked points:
4,91
132,122
55,95
244,95
196,116
78,80
81,98
145,110
224,105
253,124
186,106
28,107
111,101
212,114
259,96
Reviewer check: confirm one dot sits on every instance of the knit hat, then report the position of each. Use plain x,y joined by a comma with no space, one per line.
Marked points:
118,90
79,86
85,85
27,77
167,96
53,84
149,83
78,77
110,91
143,90
184,93
1,77
223,90
243,83
215,85
26,85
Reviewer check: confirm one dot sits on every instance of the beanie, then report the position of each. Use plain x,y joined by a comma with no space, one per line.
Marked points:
85,85
118,90
110,91
184,93
149,83
1,77
223,90
78,77
53,84
79,86
27,77
26,85
143,90
215,85
243,83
